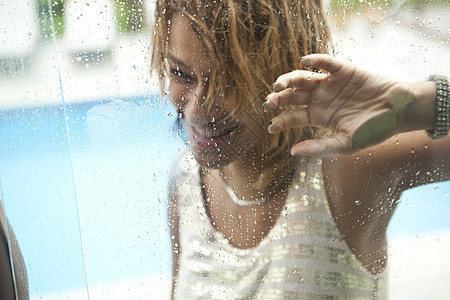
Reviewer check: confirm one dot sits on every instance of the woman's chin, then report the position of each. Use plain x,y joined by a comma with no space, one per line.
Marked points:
211,159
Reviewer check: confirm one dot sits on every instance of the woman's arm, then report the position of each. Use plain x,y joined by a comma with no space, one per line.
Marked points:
360,108
380,119
363,189
378,142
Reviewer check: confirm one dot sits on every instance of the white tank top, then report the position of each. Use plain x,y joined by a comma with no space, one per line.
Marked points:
303,256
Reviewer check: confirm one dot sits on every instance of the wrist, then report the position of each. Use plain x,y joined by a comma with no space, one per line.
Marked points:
420,113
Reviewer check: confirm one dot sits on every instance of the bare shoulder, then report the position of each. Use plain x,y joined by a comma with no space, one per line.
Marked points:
363,188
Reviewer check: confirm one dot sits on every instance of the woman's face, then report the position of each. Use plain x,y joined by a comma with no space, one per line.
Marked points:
215,138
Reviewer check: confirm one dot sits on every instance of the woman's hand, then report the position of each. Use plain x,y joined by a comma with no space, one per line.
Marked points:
361,108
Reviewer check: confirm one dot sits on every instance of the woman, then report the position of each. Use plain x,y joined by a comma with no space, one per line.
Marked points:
253,211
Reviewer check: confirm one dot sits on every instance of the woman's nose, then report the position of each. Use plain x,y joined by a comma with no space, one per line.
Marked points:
195,107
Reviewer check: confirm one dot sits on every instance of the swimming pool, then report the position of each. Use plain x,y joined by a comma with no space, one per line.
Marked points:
84,186
108,160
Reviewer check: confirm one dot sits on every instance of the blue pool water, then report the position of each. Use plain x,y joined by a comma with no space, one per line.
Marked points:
109,162
84,187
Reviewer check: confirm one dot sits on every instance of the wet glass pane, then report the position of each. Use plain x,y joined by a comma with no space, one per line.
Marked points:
87,146
36,171
123,140
405,40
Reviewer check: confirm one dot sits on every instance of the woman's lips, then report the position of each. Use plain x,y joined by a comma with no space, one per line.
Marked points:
213,141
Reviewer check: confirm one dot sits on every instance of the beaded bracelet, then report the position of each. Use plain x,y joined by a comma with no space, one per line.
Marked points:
442,108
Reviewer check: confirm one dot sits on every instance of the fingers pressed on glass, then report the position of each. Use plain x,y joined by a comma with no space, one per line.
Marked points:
299,79
322,61
289,119
286,97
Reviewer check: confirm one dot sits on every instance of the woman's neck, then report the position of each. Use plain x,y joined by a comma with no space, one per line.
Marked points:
245,176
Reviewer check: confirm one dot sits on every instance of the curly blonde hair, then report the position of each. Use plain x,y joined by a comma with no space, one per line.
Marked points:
250,44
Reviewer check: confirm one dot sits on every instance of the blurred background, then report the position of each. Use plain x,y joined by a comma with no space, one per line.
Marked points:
86,143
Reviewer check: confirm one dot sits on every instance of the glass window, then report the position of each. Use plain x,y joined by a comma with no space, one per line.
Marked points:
87,143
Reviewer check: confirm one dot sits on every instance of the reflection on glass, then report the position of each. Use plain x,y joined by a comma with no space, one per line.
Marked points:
36,157
86,145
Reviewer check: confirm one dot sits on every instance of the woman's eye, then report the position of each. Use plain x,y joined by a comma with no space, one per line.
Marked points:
181,76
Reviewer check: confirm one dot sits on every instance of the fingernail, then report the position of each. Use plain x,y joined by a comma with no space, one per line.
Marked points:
271,128
306,62
276,87
272,85
300,59
267,106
